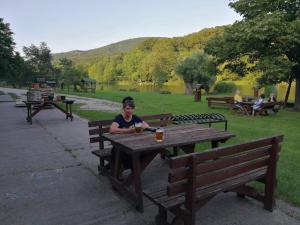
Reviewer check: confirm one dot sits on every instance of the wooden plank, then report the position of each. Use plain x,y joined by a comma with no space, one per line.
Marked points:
99,131
96,139
156,116
176,175
182,161
219,175
100,123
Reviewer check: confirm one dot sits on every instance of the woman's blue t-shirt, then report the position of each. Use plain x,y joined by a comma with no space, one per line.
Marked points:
126,124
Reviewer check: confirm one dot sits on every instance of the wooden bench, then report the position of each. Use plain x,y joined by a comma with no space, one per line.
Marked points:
220,101
103,150
196,178
201,119
274,106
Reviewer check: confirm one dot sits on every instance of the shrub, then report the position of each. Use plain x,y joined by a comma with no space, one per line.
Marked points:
225,87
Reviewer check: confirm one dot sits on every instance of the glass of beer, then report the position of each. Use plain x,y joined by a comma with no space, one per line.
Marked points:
138,128
159,135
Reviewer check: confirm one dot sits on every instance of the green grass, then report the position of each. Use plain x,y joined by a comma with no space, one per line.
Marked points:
245,128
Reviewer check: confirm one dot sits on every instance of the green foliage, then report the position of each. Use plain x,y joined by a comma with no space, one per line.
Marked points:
90,56
6,48
38,59
71,75
225,87
269,34
152,60
198,68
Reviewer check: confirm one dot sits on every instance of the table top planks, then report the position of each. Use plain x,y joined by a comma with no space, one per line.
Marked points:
177,135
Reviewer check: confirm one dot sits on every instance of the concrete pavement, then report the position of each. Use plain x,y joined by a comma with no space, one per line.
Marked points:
49,177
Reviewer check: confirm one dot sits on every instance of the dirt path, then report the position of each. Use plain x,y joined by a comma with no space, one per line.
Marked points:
87,103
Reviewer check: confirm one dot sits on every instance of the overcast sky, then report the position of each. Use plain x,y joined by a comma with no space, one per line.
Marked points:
85,24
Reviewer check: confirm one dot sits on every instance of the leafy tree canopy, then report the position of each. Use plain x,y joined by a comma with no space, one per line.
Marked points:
269,35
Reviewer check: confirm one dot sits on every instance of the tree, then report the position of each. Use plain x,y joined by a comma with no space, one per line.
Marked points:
71,75
6,49
198,68
39,59
269,35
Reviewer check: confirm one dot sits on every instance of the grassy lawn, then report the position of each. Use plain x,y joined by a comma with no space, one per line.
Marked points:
245,128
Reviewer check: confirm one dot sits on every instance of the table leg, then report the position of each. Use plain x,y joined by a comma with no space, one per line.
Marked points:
116,164
214,144
137,181
67,111
71,115
188,148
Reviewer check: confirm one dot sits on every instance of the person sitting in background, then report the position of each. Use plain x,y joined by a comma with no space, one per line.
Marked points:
272,98
258,104
238,99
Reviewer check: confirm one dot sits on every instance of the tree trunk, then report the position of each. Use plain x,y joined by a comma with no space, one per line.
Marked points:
188,88
288,90
297,93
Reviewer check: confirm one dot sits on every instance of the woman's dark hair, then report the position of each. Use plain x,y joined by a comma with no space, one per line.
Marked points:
262,96
128,101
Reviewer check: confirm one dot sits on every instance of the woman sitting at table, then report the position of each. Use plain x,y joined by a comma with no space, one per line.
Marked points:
238,99
258,104
124,122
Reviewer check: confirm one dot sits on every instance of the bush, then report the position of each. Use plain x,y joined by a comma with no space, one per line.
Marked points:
225,87
122,89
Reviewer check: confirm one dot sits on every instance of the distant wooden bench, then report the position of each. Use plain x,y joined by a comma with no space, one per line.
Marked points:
103,150
196,178
274,106
209,119
220,101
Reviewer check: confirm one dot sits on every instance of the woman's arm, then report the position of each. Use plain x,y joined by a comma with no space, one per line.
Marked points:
114,129
145,125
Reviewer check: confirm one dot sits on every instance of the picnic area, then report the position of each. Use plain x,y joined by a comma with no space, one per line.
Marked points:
60,175
150,113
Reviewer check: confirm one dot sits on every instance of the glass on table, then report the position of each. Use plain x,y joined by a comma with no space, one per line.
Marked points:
159,134
138,128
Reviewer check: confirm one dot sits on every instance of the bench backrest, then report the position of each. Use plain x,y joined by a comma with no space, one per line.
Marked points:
227,99
98,128
221,168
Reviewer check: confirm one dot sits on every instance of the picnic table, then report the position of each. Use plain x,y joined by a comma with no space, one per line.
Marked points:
142,149
39,105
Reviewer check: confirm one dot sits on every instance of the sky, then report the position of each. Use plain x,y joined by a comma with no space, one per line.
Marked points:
67,25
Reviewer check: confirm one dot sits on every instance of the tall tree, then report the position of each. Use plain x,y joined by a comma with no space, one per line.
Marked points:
39,59
269,35
6,49
198,68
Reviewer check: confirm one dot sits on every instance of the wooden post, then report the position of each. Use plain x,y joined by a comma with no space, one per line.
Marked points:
269,201
190,202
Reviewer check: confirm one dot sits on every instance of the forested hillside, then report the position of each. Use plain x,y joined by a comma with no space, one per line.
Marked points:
153,60
86,57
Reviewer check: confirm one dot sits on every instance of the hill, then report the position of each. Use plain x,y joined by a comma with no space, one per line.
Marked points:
86,57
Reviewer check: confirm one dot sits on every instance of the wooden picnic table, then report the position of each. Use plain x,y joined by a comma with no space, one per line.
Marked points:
142,149
39,105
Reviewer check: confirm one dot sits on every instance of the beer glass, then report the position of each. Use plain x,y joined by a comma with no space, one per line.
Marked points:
159,135
138,128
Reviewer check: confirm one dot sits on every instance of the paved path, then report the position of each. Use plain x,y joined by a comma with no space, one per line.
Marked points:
87,103
48,177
